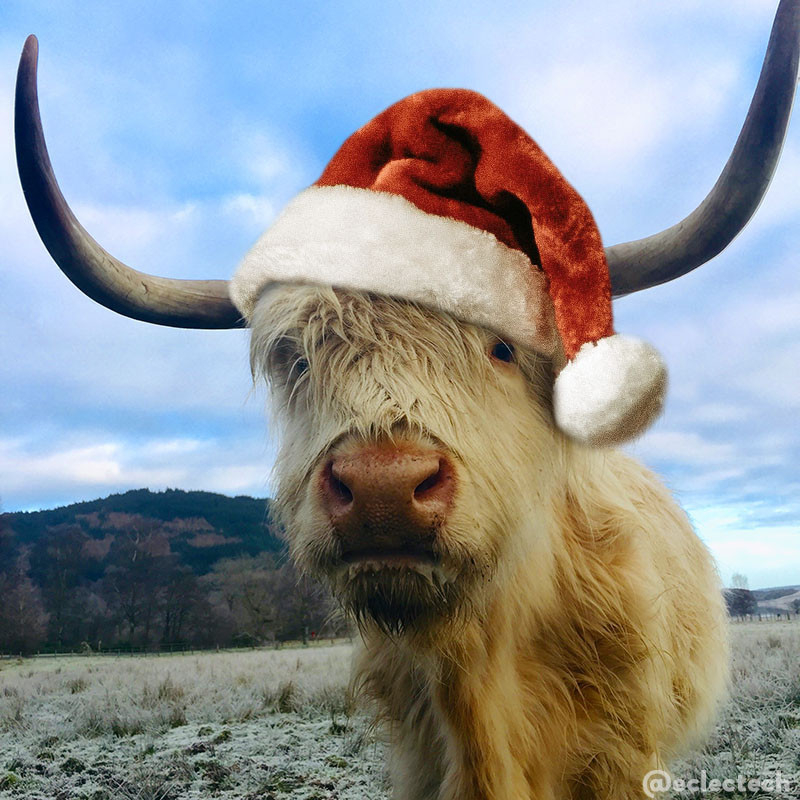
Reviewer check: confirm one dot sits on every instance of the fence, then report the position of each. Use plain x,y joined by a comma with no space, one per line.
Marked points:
778,616
177,649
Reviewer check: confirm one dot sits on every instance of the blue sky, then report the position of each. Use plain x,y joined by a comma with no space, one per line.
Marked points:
179,130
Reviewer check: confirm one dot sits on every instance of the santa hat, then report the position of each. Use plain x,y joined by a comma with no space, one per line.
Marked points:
445,201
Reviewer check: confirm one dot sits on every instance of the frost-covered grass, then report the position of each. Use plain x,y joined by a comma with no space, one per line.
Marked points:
262,724
270,724
758,732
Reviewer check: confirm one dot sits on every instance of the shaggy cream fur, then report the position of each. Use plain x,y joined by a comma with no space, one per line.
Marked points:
580,634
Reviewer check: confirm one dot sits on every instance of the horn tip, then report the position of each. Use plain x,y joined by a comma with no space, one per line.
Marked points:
30,56
31,47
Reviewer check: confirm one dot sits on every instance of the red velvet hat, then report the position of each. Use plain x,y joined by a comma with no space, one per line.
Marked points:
444,200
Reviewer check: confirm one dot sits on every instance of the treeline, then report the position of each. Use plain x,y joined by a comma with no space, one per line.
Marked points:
119,581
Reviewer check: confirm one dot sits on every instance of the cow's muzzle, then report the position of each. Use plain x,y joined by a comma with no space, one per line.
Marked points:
386,501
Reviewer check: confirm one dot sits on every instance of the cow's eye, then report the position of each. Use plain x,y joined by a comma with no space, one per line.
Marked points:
286,358
300,367
502,352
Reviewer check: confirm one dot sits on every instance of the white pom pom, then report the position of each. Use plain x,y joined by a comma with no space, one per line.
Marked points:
611,391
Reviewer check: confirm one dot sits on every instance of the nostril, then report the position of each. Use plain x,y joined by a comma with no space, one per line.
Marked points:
429,486
339,489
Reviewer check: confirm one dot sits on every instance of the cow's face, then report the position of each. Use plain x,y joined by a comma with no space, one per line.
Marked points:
417,453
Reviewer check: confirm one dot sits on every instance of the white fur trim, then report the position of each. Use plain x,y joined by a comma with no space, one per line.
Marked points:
611,391
380,242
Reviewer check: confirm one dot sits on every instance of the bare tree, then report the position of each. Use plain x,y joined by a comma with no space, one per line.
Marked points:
739,581
185,611
57,562
134,580
249,589
305,606
23,620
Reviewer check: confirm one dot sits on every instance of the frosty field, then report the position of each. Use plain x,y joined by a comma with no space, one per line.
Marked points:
279,724
260,724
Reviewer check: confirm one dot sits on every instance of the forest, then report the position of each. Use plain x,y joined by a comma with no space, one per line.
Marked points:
153,570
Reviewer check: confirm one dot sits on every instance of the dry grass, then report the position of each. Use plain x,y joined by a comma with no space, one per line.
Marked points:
279,724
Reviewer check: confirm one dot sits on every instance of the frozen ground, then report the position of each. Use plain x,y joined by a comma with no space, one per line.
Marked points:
758,732
264,724
270,725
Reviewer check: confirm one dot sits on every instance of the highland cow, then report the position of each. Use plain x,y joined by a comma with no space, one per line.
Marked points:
538,617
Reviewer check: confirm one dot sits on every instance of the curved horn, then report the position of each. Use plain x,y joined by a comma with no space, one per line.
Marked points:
709,229
164,301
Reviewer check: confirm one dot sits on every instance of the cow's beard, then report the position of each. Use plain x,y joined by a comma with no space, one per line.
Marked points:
399,600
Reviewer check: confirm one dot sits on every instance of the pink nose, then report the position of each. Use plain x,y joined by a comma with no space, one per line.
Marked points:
387,497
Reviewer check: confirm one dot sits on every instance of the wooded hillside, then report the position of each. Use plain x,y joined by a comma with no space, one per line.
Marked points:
151,569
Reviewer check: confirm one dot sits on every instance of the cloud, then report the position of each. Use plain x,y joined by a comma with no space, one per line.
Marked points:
33,477
97,465
687,446
767,554
719,413
628,107
257,211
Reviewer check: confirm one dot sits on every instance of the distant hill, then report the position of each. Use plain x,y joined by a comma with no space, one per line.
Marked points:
776,593
772,600
778,599
152,570
198,527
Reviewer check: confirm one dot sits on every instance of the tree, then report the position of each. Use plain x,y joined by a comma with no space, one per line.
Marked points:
133,582
8,545
185,612
739,599
57,563
741,602
739,581
262,601
249,590
23,621
305,605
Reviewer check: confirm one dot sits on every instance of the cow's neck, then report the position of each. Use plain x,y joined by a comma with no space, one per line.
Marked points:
464,729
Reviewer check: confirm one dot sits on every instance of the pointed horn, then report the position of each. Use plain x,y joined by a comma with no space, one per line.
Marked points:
710,228
163,301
